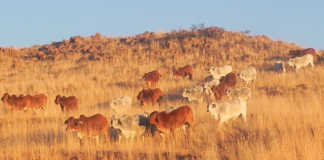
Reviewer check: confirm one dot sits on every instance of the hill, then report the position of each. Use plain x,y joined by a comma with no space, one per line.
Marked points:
214,43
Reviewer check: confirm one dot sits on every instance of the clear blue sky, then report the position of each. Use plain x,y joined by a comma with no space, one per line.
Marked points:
26,23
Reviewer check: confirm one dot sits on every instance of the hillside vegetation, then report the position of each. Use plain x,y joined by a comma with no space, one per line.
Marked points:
284,114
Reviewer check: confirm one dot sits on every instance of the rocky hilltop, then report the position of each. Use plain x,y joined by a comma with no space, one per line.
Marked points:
212,43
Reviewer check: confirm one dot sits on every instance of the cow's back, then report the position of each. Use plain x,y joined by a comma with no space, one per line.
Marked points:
68,103
39,100
17,103
94,125
233,107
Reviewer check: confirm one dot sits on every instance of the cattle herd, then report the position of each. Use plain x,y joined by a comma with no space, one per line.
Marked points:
225,102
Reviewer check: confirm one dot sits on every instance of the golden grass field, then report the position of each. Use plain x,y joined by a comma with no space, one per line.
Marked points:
284,114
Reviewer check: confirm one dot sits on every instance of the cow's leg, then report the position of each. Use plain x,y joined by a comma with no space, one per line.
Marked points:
297,68
80,136
312,64
190,76
247,83
149,83
97,139
107,137
244,116
222,119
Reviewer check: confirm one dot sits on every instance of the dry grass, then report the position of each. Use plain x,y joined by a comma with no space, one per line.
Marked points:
284,115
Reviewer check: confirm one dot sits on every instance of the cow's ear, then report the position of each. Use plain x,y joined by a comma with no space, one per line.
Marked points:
68,120
153,116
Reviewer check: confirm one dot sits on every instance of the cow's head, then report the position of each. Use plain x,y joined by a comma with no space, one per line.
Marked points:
153,120
58,99
140,95
71,123
229,92
211,107
115,122
5,97
159,75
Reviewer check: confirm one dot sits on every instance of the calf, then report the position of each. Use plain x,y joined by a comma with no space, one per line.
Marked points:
14,102
167,122
224,111
183,72
38,101
249,74
147,96
130,126
151,78
91,126
67,103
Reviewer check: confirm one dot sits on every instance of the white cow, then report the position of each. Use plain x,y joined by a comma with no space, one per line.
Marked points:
121,104
279,66
244,93
303,61
130,126
218,72
248,74
225,111
194,93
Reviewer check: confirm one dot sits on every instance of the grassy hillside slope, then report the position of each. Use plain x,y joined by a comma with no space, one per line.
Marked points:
284,115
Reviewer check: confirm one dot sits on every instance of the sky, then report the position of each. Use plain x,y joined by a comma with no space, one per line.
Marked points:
36,22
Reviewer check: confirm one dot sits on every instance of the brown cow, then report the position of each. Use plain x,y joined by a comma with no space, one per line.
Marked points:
25,102
88,126
167,122
183,72
151,78
14,102
67,103
226,82
147,96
